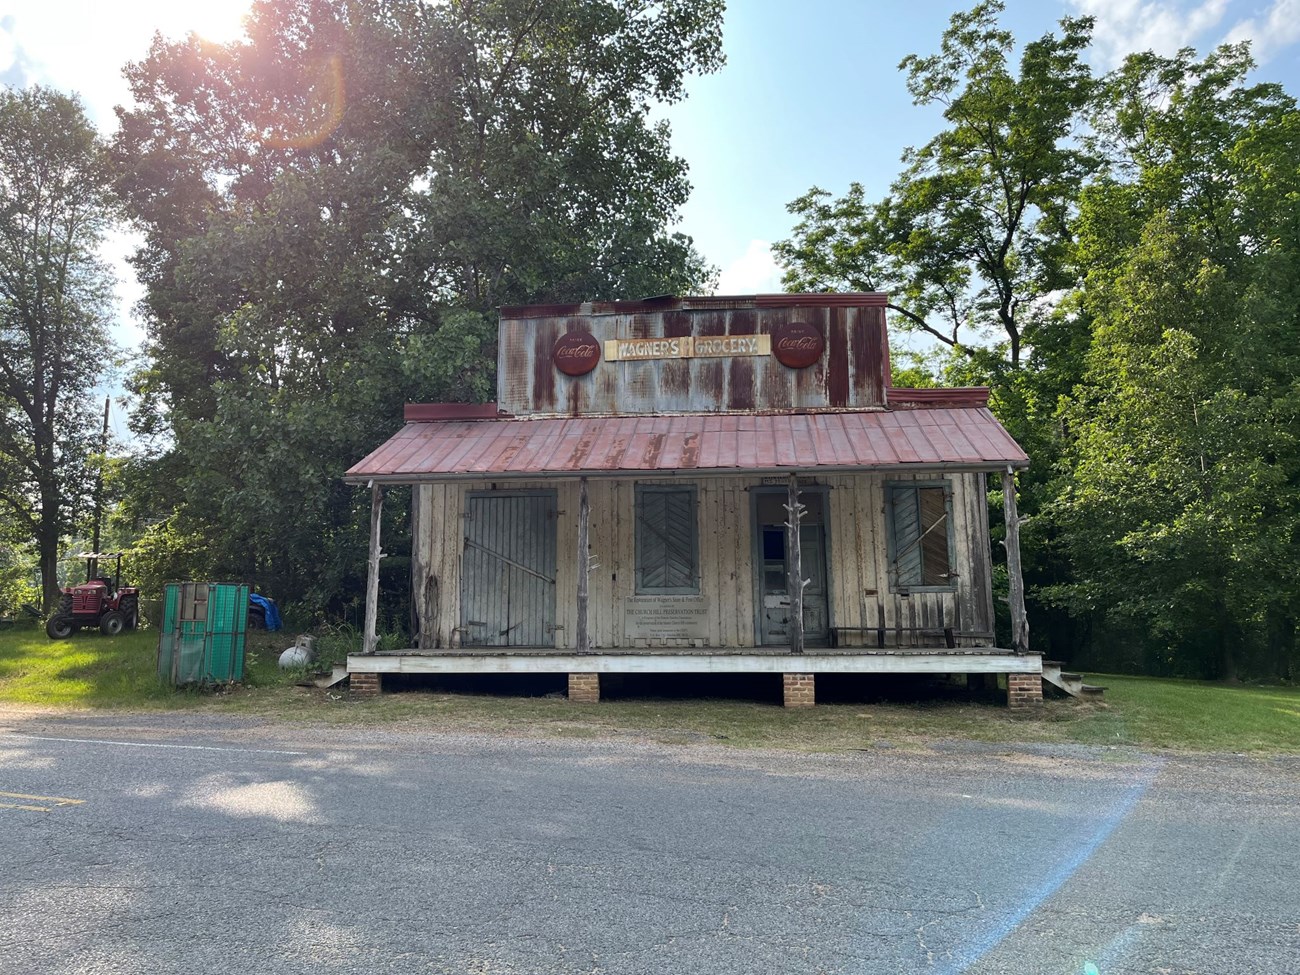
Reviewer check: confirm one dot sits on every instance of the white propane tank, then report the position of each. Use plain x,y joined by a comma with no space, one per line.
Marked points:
295,657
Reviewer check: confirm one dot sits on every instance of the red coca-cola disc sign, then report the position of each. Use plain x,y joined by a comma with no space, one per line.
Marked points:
576,353
797,344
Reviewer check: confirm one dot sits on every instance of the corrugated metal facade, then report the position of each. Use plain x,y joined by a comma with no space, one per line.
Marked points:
852,373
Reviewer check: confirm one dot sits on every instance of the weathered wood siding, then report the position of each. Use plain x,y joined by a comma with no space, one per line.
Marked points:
857,545
852,373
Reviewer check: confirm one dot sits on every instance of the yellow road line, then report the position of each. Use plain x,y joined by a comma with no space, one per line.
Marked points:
53,802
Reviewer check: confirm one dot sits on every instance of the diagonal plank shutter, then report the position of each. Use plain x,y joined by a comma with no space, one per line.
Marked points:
907,537
933,506
666,544
919,531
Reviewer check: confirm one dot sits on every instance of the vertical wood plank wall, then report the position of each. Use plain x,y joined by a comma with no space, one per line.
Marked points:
857,556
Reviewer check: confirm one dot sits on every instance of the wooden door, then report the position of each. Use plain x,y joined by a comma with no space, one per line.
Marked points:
508,571
772,570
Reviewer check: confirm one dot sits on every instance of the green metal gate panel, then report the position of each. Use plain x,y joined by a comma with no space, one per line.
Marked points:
201,640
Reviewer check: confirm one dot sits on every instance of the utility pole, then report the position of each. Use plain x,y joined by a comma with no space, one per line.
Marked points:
99,486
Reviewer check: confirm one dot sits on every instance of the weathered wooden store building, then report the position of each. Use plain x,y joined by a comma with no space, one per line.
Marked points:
656,479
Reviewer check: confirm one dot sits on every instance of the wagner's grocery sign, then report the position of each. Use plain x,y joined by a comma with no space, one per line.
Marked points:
688,347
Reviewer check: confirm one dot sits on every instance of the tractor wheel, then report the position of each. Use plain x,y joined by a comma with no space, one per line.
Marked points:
129,607
59,627
111,623
65,604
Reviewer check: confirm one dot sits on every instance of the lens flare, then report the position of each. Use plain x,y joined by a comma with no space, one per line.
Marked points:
324,115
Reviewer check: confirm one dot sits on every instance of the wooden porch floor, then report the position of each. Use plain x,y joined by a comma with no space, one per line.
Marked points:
667,660
695,651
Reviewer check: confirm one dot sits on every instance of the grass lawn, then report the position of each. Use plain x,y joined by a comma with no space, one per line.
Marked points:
90,671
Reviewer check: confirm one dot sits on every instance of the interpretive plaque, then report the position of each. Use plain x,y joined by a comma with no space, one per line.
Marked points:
666,618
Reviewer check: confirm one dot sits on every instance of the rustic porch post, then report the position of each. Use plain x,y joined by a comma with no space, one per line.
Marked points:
370,640
584,566
795,583
1019,619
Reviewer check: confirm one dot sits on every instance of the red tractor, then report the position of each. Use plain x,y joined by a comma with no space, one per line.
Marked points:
99,601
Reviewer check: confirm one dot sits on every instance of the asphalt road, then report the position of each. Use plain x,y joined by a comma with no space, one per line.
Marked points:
173,844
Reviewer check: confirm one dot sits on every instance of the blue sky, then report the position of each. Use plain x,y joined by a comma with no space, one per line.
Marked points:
811,93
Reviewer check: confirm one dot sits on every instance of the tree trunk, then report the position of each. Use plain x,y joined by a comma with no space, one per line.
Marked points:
48,546
584,567
795,582
1227,649
49,560
370,638
1015,575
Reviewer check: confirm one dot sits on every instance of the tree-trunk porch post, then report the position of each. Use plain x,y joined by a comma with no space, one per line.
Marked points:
371,639
795,583
584,567
1015,575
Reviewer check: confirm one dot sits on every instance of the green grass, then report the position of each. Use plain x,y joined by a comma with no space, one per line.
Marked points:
1202,715
85,670
90,671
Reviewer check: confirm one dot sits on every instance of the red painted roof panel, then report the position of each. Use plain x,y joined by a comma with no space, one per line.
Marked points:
936,437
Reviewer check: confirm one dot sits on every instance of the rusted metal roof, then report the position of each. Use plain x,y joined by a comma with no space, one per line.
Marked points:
664,303
905,398
932,439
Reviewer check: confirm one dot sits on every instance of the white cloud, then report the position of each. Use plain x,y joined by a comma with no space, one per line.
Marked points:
1163,26
1279,28
753,272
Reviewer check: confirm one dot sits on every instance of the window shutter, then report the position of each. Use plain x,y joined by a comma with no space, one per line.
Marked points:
907,536
936,568
666,540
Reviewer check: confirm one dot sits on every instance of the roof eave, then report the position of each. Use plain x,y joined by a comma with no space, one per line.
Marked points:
982,467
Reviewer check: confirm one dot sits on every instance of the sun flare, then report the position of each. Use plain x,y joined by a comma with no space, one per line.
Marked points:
221,21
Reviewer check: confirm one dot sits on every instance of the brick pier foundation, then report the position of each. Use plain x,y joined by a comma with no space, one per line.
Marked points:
365,685
584,688
800,690
1024,690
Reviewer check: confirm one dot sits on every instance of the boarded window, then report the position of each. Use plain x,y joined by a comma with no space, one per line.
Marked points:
919,527
666,549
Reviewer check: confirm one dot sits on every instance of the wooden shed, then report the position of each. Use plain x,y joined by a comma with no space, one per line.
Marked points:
701,485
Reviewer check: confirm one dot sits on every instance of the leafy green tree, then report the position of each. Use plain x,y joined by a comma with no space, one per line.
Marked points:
970,242
1179,502
55,301
335,206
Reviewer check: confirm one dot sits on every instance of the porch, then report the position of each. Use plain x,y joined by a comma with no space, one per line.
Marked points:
799,671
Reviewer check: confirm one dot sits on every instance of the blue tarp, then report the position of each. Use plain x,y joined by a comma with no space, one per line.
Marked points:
268,606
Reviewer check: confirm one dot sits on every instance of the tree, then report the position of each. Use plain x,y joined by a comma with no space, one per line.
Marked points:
55,300
335,206
1180,501
971,239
